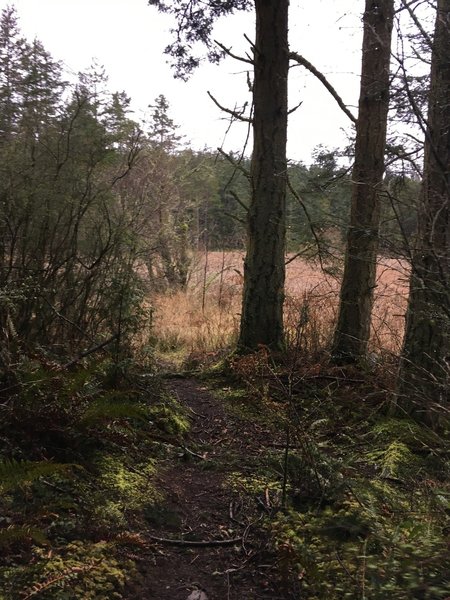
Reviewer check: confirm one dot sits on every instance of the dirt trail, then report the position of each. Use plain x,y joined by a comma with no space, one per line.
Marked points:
202,507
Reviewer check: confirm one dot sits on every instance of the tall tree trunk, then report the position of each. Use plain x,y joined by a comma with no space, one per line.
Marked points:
356,297
424,376
264,272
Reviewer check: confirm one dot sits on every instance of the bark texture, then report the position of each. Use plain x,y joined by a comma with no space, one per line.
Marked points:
264,272
357,290
424,377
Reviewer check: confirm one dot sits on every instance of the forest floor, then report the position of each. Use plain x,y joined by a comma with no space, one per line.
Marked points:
220,550
244,480
336,510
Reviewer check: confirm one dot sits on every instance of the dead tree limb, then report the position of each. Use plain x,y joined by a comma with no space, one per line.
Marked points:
235,56
321,77
195,543
236,115
92,350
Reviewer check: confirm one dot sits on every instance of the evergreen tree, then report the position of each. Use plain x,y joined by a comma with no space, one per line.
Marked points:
424,377
162,131
65,235
264,272
357,289
12,48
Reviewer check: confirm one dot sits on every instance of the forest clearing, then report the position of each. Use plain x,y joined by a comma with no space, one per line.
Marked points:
225,373
205,316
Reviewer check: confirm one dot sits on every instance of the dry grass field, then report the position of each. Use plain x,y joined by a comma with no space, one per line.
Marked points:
205,317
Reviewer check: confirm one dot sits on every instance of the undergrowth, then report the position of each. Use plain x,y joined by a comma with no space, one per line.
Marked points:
356,502
80,451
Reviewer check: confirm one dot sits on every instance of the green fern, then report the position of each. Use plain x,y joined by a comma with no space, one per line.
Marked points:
405,430
14,534
14,474
395,460
106,410
56,580
82,382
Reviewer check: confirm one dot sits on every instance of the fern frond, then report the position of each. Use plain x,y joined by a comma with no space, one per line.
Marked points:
54,579
395,460
82,382
14,534
405,430
107,410
11,328
15,474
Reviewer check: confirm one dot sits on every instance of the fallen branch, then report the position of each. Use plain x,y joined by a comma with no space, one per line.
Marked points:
95,348
193,543
235,164
192,453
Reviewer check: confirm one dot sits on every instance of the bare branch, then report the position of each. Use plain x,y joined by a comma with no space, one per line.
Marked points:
233,113
404,156
194,543
252,45
95,348
234,217
235,56
64,318
400,225
321,77
238,200
418,24
308,218
297,255
295,108
235,164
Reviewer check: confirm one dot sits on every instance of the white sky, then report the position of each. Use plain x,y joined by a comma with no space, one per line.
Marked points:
128,37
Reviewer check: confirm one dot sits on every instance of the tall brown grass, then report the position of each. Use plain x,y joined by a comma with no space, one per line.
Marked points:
205,316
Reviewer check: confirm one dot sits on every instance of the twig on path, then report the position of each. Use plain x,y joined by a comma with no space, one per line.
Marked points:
196,413
232,513
278,446
219,441
245,536
195,543
192,453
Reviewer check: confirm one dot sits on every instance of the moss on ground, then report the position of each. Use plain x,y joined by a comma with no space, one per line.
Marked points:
66,526
366,511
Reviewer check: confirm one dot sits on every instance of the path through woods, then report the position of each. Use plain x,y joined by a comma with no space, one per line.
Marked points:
212,545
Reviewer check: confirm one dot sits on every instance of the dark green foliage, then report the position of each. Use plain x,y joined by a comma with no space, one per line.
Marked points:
13,534
113,437
109,409
65,237
81,570
365,507
21,473
380,530
195,28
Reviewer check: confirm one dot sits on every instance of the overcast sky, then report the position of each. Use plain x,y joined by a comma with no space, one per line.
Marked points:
128,38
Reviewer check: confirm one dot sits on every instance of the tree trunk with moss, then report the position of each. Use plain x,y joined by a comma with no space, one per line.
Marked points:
357,290
264,272
424,376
